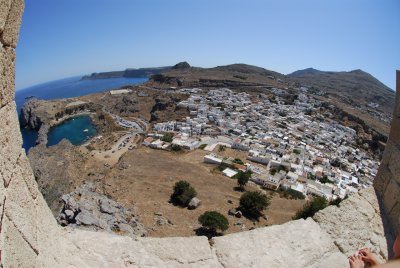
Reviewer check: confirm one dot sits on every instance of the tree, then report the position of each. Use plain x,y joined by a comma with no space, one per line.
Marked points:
253,203
311,207
325,179
183,193
243,178
238,161
213,221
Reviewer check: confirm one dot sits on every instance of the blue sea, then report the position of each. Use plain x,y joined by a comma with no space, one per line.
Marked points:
66,88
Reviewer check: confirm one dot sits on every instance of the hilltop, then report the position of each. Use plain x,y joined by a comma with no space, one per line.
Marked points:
233,76
356,93
130,72
355,87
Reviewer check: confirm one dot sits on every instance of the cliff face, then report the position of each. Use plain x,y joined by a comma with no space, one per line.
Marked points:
29,115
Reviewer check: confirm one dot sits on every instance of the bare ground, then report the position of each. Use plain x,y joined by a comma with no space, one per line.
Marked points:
148,180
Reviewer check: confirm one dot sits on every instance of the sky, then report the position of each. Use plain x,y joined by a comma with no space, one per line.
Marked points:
67,38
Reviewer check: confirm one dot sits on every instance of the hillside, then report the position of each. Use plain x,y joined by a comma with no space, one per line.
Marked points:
130,72
233,76
356,88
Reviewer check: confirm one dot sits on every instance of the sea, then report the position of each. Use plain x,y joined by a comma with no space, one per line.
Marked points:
66,88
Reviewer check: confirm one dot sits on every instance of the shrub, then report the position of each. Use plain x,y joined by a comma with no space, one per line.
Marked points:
311,207
238,161
292,194
183,193
176,148
337,201
168,137
325,179
213,221
221,148
296,151
202,146
253,203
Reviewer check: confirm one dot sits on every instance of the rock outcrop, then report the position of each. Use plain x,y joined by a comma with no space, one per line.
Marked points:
29,115
87,209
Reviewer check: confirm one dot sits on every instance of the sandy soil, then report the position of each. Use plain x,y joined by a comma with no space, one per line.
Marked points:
148,177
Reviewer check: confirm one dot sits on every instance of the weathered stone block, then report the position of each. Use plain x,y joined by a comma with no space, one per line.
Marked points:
10,143
394,163
394,217
355,224
397,108
25,172
7,75
4,9
382,179
20,208
13,23
391,195
15,251
105,250
394,135
300,243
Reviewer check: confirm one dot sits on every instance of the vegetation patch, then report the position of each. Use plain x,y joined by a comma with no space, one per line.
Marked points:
183,193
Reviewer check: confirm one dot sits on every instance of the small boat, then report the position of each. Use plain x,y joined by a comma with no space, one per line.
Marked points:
86,130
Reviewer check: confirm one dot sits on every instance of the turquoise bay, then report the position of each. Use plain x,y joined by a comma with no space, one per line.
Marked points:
67,88
77,130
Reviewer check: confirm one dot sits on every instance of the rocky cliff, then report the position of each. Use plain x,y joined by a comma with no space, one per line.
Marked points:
30,115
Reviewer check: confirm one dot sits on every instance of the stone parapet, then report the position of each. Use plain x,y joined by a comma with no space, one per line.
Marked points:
387,181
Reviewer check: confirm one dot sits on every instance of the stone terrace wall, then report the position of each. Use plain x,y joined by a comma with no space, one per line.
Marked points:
387,182
30,236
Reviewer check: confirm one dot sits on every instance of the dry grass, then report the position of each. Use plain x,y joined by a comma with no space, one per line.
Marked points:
148,184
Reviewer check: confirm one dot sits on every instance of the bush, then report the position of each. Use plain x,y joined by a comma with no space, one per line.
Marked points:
292,194
296,151
325,179
311,207
168,137
337,201
213,221
221,148
202,146
253,203
183,193
238,161
176,148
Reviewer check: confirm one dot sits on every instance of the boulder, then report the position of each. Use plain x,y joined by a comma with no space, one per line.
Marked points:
238,214
232,212
108,206
86,218
194,203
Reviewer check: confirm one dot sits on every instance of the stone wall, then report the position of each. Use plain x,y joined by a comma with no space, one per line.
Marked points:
387,181
30,236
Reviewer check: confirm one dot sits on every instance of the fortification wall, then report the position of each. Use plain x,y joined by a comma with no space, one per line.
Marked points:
387,181
30,236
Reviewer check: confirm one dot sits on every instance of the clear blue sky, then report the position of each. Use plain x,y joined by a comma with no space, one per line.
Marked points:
65,38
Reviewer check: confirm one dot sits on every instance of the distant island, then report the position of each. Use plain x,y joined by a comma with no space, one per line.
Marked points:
128,73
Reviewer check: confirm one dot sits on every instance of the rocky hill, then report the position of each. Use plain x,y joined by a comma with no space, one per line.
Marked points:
232,76
355,87
129,73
